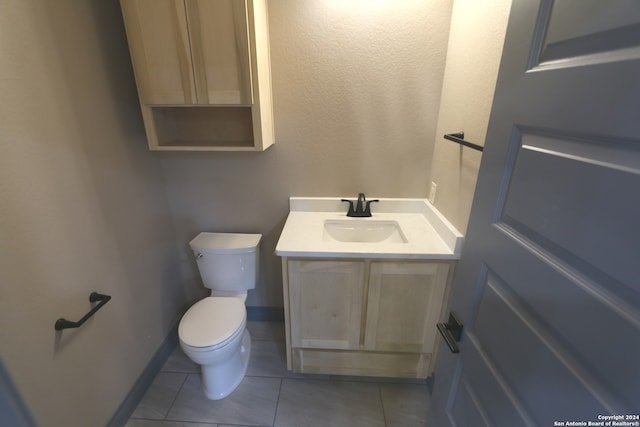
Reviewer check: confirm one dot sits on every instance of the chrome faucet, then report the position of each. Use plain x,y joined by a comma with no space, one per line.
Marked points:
362,209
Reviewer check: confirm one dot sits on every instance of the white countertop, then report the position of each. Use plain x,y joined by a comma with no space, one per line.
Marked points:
429,235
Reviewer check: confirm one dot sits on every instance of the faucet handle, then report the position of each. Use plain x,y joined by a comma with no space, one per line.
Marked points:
367,210
350,213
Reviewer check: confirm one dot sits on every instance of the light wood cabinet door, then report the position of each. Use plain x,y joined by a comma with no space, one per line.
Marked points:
326,303
160,50
404,304
219,36
188,52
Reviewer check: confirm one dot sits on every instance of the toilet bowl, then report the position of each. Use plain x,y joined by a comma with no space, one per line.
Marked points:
213,334
213,331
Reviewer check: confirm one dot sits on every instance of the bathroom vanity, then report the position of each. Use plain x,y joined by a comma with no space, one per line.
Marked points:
362,296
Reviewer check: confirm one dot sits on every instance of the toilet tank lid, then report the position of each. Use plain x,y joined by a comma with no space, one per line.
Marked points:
225,242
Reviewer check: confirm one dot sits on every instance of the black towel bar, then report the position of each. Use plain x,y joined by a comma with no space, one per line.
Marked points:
459,138
93,297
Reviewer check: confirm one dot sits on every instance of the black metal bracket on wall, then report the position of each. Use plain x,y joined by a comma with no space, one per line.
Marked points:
459,138
93,297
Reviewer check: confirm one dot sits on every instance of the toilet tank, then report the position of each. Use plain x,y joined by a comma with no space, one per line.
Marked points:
228,262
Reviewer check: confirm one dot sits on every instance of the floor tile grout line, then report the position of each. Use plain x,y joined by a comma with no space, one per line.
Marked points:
275,413
175,398
384,414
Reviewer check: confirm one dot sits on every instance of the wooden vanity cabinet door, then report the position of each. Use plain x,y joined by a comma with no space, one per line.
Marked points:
404,305
326,303
160,50
219,33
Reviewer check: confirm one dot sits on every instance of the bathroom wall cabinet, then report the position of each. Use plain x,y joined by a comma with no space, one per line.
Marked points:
203,72
363,316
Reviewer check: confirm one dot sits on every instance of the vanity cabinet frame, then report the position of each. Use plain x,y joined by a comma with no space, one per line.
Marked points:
365,317
203,73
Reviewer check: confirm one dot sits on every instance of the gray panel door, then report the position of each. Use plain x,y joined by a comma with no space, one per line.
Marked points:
548,287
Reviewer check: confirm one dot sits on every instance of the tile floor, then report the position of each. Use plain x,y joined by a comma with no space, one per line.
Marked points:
272,396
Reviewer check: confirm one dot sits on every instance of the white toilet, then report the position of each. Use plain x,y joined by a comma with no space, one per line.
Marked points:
213,331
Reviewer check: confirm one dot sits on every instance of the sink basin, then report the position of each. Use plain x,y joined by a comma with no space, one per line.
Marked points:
363,231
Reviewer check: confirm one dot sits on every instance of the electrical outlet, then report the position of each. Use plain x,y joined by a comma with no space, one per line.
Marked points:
432,192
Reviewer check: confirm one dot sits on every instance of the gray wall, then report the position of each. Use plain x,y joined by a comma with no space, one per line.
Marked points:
82,208
356,89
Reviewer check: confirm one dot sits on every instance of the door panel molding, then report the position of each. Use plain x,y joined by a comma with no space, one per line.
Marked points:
570,208
557,45
498,400
465,408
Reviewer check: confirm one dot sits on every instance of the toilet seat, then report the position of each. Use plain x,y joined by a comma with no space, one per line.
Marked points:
212,322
